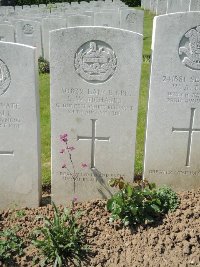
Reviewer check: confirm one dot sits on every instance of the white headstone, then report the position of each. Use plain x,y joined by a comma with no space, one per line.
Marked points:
108,19
19,127
132,20
49,24
7,33
79,20
29,32
172,151
95,76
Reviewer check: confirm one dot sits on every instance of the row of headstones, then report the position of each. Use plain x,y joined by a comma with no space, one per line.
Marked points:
36,33
59,7
95,81
160,7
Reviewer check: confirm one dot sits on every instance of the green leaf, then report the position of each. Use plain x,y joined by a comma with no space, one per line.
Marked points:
129,190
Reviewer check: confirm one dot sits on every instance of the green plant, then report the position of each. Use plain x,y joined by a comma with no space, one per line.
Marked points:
43,65
169,199
139,202
20,213
62,240
10,245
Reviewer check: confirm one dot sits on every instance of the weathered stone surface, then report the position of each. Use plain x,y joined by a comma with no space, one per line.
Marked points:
95,75
161,7
79,20
173,6
7,33
194,5
172,151
185,5
19,127
108,19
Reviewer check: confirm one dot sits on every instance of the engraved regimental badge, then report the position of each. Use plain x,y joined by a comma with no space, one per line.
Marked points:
28,29
189,49
95,62
131,17
5,78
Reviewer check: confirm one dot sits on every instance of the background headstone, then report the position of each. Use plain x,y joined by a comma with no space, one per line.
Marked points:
49,24
29,32
132,20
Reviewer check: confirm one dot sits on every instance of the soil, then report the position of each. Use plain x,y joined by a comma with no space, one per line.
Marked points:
172,241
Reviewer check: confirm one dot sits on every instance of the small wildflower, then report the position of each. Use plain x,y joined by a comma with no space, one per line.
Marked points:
71,148
63,137
84,165
75,199
62,151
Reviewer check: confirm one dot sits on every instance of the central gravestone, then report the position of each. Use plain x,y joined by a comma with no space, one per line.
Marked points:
94,99
172,151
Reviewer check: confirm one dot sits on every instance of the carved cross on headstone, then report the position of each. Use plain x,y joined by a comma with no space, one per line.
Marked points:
190,131
6,153
93,139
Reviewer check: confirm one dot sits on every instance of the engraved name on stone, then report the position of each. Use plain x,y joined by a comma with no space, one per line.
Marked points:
189,48
95,62
5,78
8,115
28,29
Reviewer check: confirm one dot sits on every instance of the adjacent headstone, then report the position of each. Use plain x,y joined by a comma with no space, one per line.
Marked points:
79,20
29,32
95,76
132,20
172,150
108,19
7,33
49,24
19,127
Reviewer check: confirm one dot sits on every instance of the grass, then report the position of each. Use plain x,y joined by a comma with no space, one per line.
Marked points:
45,109
45,127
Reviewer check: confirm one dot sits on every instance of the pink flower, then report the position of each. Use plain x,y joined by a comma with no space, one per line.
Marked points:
71,148
64,166
63,137
62,151
75,199
84,165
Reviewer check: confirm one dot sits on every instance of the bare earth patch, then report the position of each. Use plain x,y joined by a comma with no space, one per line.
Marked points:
172,241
